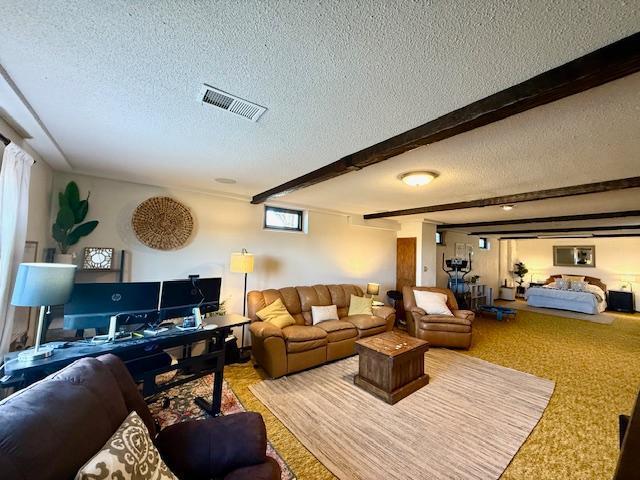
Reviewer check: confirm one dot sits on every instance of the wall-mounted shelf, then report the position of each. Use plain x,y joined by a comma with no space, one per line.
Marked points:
118,271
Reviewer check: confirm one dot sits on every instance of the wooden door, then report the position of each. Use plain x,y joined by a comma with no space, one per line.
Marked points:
405,268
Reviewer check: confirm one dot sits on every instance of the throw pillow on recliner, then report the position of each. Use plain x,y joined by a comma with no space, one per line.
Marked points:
276,314
433,303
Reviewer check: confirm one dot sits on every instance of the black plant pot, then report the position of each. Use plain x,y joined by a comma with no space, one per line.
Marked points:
520,290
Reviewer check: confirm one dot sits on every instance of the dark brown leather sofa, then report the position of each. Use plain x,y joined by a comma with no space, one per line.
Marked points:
53,427
438,330
303,345
628,467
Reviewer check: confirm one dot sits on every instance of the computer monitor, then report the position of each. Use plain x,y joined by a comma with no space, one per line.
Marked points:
92,304
179,297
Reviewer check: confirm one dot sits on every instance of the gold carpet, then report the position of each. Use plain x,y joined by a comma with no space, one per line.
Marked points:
597,373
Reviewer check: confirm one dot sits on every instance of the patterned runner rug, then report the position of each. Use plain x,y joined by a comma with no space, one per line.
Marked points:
468,422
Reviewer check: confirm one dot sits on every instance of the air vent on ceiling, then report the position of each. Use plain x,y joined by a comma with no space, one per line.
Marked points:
231,103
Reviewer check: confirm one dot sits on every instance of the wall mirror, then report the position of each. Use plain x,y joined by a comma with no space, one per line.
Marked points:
574,255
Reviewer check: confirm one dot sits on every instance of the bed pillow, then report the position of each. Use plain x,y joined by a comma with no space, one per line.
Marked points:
322,314
573,278
276,314
562,284
433,303
579,286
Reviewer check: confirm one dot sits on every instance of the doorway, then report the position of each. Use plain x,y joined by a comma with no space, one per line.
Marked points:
405,269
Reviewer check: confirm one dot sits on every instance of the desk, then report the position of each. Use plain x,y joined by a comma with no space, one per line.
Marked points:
137,349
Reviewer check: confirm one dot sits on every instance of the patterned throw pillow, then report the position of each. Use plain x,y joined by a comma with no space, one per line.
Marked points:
128,454
322,314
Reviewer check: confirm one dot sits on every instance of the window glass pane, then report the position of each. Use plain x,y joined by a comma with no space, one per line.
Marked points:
283,219
438,237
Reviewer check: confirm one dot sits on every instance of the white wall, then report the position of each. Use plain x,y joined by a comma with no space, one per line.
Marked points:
615,257
485,263
333,251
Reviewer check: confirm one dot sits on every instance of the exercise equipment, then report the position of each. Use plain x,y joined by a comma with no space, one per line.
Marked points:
456,269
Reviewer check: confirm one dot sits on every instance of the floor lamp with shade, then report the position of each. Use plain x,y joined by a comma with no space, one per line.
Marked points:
42,285
242,262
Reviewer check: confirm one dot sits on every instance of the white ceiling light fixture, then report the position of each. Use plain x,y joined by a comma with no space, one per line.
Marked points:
506,208
213,96
418,179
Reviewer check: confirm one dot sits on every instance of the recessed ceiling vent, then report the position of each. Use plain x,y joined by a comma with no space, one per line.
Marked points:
231,103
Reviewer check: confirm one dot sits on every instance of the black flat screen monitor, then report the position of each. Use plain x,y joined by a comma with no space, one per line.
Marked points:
92,304
179,297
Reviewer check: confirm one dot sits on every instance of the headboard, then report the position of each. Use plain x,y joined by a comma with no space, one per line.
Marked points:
591,280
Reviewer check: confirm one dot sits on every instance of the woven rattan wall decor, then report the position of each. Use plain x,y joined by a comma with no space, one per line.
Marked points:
162,223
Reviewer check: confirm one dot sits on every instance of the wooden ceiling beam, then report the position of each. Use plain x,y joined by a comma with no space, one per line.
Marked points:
608,63
522,221
561,230
586,188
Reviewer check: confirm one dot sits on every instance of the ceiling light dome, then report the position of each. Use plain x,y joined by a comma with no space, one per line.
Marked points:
507,207
418,179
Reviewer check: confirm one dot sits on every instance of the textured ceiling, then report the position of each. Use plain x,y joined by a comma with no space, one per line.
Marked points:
116,83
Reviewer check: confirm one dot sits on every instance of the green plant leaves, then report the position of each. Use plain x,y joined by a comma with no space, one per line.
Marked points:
58,234
62,200
73,195
65,219
81,231
81,212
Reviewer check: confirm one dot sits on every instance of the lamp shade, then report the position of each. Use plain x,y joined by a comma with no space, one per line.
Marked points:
242,262
373,288
43,284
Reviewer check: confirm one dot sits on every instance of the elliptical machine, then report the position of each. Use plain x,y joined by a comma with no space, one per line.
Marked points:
457,269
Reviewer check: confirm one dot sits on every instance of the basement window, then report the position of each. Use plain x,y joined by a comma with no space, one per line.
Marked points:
483,243
276,218
439,238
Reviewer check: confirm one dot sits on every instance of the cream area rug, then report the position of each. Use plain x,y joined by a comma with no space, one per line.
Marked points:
467,423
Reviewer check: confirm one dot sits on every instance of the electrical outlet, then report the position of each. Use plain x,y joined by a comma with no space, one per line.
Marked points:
425,268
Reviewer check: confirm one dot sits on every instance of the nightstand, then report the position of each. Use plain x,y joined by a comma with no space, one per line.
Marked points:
620,301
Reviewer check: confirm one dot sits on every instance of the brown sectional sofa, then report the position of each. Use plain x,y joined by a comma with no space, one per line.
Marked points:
301,346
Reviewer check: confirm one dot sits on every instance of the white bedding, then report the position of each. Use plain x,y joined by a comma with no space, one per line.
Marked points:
591,301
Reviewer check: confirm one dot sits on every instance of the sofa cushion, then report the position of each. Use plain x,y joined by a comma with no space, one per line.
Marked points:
434,303
76,409
365,322
303,333
338,330
300,338
322,314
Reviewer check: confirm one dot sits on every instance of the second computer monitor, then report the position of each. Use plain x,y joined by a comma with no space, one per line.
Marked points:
179,297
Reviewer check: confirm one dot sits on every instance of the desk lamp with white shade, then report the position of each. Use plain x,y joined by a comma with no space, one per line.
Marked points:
242,262
42,285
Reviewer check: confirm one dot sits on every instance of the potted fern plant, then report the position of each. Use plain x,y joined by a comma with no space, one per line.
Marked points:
519,270
70,226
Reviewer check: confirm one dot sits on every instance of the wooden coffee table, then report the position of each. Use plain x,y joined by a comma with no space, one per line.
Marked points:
391,365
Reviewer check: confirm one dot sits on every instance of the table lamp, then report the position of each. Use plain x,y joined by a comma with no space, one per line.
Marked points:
42,285
373,289
242,262
627,281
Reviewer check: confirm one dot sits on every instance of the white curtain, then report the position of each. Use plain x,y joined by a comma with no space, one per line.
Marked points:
15,176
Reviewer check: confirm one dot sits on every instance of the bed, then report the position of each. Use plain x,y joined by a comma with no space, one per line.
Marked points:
591,301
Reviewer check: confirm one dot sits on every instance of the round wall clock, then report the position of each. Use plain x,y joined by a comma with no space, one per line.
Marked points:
162,223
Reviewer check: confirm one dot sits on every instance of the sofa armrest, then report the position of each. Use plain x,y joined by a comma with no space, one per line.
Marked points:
464,314
265,330
213,447
418,311
388,313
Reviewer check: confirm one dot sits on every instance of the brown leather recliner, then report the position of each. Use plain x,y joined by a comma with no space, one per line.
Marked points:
301,346
438,330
